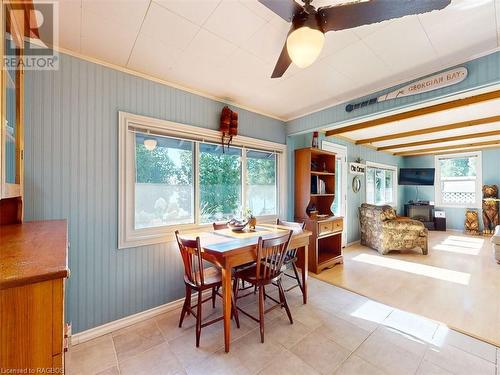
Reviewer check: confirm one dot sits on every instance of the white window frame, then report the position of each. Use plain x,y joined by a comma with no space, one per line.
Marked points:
393,168
479,180
128,236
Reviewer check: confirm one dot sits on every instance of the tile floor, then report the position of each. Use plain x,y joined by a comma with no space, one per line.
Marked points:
457,283
337,332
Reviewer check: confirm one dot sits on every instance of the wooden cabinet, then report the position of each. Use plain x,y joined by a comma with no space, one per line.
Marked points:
314,197
34,267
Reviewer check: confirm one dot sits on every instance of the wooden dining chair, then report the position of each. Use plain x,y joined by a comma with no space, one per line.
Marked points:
268,269
291,260
198,279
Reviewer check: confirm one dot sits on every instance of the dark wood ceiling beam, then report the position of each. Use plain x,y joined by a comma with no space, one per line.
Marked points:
417,112
440,140
436,129
442,148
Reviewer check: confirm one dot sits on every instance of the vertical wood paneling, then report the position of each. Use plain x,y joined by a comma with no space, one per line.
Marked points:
71,171
483,72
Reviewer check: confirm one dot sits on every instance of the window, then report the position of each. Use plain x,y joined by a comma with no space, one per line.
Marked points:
175,176
458,180
381,184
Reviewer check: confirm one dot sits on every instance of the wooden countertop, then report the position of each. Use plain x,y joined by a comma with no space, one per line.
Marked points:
32,252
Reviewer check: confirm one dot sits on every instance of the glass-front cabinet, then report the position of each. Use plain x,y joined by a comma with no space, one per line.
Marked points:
12,108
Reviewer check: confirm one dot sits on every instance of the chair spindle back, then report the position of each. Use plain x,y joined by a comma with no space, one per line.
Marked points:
294,226
192,260
270,256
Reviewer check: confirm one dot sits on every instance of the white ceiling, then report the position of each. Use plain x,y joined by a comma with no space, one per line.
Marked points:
466,113
228,48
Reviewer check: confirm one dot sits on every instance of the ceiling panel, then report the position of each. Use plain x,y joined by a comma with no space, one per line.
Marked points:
451,143
151,54
235,43
444,134
234,22
127,13
162,24
402,45
196,11
106,40
464,27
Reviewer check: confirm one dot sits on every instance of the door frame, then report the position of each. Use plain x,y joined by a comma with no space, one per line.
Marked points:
342,151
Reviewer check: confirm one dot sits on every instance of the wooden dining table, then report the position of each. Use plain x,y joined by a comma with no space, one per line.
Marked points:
228,249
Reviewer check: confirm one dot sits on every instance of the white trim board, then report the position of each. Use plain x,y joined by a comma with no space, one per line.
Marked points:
115,325
127,321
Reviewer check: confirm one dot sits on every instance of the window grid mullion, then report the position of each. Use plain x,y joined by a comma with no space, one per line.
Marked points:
196,169
243,178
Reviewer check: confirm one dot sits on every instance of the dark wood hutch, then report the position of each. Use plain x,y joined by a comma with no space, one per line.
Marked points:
314,197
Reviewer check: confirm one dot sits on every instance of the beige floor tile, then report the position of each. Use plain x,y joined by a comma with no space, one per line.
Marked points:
401,339
281,331
444,336
211,340
309,315
92,356
365,314
412,324
253,354
319,352
288,364
343,332
387,356
357,366
473,308
169,324
109,371
158,360
428,368
459,362
219,363
137,339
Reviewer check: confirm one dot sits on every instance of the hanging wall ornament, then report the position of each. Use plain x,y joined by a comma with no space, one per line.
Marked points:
228,126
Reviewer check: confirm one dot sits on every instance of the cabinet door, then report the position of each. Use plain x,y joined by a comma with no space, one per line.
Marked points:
12,116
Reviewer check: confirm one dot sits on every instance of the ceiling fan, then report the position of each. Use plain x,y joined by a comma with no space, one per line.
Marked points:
309,25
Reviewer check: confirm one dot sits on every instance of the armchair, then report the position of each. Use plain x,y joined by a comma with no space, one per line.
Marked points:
383,231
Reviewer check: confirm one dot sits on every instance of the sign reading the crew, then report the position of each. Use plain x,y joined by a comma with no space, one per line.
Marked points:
434,82
357,168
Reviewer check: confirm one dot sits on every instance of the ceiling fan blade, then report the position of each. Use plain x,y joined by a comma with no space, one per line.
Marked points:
282,64
351,15
286,9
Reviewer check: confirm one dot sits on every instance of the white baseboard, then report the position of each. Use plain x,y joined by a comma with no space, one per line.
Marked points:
115,325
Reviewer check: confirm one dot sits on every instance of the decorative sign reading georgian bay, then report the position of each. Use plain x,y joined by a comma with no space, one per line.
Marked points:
357,168
437,81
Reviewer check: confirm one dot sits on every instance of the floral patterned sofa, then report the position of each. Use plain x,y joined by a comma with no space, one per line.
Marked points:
383,230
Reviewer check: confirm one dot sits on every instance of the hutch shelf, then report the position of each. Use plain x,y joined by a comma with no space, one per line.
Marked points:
314,197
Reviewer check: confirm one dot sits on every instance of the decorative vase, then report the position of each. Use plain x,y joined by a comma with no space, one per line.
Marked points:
252,222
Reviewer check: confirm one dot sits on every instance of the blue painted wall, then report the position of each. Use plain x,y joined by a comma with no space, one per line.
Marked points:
354,200
71,171
483,72
455,217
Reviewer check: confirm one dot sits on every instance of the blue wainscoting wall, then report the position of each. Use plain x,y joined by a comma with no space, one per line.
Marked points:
354,200
455,217
71,171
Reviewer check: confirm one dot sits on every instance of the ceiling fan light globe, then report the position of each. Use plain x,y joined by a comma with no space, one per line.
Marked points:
150,144
304,45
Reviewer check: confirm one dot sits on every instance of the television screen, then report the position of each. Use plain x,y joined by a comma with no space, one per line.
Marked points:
416,176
